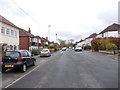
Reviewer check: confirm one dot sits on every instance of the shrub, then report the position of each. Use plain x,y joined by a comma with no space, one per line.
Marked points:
102,43
94,44
115,40
53,48
111,46
34,52
87,47
109,43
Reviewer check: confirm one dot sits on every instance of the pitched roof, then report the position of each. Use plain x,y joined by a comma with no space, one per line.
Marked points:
25,33
92,36
113,27
38,37
4,20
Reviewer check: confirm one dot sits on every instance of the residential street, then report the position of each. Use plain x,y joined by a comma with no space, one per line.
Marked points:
70,69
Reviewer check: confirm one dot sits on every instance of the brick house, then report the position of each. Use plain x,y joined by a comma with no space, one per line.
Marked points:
26,39
29,42
45,42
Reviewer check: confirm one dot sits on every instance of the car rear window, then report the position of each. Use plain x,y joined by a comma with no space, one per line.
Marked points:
12,54
45,50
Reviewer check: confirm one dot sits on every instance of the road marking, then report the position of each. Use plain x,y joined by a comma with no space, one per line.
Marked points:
24,75
42,62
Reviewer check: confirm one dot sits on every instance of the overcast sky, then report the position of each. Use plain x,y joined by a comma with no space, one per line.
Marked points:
70,19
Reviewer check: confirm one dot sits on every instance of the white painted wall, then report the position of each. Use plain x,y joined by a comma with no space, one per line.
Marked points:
111,34
9,39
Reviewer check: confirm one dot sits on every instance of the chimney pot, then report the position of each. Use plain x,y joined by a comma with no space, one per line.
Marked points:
29,30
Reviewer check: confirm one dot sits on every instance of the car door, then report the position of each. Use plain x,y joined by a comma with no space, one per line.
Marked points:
26,58
30,57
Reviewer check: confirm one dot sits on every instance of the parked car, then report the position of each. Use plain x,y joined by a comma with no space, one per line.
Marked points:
64,48
19,59
78,49
73,48
45,52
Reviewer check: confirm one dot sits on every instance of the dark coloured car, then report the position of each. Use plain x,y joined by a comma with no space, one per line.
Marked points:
19,59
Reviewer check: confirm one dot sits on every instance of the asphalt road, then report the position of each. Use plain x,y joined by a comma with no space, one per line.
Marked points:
69,69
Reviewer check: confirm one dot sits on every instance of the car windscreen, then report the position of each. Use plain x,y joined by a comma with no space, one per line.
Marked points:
12,54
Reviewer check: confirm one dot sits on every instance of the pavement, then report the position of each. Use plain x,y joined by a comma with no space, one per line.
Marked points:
110,52
70,69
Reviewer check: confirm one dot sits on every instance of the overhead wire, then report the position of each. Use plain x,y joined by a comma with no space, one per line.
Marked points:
27,14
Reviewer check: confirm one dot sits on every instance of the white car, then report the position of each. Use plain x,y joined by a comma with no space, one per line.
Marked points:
64,48
78,49
45,52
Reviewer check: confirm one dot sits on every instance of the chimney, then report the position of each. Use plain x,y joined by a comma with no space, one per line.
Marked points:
29,30
46,38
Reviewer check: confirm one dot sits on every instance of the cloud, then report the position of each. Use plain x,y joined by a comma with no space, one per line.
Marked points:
66,35
8,8
71,19
109,17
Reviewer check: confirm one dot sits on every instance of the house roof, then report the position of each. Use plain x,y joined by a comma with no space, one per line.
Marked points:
25,33
4,20
38,37
44,39
92,36
113,27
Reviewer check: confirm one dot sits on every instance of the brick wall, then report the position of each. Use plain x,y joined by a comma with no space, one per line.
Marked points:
24,43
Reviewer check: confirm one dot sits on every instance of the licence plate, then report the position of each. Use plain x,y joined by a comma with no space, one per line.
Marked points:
9,65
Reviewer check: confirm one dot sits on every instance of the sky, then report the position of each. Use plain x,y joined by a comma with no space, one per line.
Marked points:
70,19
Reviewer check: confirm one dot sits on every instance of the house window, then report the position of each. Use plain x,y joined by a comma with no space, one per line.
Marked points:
7,31
3,30
36,40
16,33
12,32
39,41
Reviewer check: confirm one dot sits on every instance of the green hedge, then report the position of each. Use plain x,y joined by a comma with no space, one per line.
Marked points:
105,44
53,48
111,46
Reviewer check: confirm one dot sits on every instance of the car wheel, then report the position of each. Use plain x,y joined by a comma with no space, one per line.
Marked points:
3,70
34,62
24,68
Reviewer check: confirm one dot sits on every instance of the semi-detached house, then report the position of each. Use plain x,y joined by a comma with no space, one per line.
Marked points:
27,40
9,35
110,31
87,41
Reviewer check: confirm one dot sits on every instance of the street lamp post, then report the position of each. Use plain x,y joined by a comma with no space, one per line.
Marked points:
56,37
49,32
